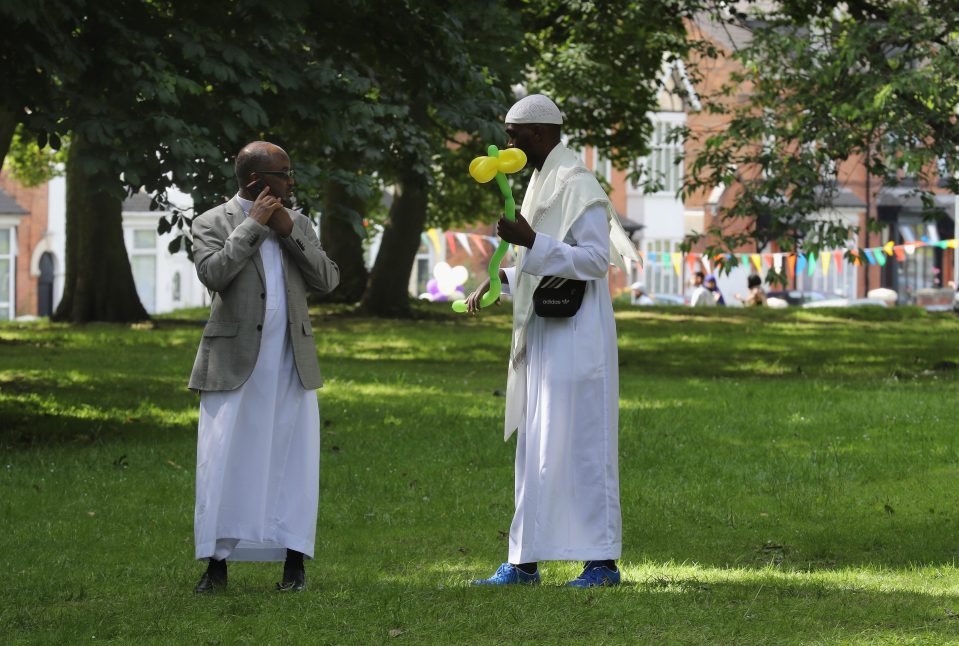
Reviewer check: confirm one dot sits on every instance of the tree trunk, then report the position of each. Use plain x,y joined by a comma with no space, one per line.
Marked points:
388,293
99,282
8,124
342,243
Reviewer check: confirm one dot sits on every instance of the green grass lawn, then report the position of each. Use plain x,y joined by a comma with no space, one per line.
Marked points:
787,477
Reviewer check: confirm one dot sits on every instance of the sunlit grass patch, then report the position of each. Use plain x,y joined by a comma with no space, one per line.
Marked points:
787,477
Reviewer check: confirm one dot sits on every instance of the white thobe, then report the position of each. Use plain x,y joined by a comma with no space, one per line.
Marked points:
567,467
702,297
258,448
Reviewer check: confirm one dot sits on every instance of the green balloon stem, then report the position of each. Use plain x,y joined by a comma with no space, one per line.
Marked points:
509,212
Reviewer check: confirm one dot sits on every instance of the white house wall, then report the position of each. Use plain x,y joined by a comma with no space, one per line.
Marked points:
192,292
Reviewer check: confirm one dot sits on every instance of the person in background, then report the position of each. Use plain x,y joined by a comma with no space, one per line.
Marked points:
639,295
710,283
701,296
756,294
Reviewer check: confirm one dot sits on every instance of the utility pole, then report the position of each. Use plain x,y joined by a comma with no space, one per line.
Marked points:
865,264
955,235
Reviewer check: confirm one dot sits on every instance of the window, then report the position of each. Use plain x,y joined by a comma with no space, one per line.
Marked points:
176,287
144,239
917,271
839,284
664,166
659,276
7,311
143,262
421,269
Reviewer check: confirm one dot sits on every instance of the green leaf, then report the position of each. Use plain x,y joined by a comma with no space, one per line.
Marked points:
882,95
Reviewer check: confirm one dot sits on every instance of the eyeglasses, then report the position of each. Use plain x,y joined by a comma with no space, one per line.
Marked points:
288,174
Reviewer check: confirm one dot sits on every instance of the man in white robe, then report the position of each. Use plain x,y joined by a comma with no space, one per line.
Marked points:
563,388
701,296
258,445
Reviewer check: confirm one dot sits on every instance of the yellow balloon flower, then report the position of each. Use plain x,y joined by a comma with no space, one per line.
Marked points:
510,160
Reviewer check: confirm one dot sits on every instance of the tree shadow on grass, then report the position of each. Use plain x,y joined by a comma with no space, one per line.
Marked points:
28,424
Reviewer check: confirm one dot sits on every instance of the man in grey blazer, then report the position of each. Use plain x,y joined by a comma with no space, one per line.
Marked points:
257,481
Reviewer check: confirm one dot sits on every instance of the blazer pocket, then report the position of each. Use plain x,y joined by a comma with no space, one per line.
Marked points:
307,329
219,328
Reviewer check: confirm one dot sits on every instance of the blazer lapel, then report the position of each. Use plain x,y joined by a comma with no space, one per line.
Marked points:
236,215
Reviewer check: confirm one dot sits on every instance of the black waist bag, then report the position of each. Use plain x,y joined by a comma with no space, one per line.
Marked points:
558,297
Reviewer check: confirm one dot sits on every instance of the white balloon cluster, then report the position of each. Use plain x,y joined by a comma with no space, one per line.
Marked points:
447,283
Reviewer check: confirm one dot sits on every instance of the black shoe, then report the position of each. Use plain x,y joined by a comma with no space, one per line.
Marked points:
214,579
294,578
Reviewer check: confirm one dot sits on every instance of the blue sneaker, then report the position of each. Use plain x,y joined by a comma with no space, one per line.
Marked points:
594,577
509,574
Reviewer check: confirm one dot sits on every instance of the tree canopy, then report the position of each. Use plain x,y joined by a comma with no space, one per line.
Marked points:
818,84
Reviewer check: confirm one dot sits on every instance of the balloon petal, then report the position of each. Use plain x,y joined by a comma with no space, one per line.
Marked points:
483,169
511,160
460,274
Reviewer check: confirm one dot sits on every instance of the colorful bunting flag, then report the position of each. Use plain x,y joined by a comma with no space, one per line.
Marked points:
796,263
678,263
435,239
464,241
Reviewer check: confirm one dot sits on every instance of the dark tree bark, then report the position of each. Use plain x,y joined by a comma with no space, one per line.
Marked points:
99,282
342,243
8,123
388,293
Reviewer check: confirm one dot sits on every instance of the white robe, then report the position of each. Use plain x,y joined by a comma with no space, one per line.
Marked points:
702,297
567,467
258,448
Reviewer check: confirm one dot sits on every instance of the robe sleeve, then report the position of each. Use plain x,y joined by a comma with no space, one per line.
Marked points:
510,279
587,258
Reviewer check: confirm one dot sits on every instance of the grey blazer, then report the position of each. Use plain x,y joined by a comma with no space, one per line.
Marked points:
226,246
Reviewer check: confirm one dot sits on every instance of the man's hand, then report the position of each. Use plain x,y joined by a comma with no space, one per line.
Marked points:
281,222
264,206
473,300
518,232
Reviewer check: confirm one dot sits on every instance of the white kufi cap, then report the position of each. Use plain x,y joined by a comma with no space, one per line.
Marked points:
534,108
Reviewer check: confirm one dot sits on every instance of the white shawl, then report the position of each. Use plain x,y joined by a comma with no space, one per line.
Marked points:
556,197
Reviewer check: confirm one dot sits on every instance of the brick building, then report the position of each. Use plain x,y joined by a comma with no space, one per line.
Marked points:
33,243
